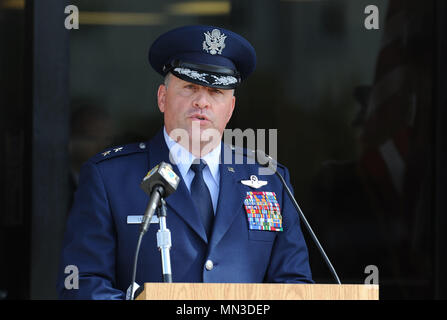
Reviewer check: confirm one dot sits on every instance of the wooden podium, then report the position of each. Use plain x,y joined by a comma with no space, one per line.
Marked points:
261,291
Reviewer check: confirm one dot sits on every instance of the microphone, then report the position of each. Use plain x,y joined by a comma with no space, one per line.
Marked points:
160,182
266,161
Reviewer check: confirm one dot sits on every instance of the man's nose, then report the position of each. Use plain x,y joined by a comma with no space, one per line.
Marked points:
201,100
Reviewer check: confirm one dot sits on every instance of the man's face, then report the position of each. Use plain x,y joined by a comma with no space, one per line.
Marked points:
184,103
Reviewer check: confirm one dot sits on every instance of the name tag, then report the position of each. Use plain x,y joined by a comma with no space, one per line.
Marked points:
137,219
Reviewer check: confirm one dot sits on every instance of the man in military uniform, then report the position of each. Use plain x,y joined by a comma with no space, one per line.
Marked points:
213,216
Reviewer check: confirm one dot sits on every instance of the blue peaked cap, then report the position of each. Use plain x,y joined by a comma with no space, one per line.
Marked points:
206,55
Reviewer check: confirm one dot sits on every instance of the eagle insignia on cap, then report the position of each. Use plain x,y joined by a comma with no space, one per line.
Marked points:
214,42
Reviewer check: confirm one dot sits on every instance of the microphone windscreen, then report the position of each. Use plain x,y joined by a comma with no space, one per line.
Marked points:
263,159
162,174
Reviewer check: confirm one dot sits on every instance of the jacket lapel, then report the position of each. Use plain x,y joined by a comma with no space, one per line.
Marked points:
231,198
180,201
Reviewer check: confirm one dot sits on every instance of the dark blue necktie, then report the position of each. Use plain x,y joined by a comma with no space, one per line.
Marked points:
201,196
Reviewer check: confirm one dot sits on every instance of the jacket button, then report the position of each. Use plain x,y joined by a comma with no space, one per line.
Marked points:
209,265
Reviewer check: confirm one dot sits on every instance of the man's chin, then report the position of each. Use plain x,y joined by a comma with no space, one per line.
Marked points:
197,137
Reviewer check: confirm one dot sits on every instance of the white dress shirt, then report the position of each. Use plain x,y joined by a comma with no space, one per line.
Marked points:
183,159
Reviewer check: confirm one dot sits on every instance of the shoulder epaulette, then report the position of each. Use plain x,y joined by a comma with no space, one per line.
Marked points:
119,151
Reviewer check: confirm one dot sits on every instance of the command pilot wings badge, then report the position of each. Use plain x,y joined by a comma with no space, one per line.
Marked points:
214,42
254,182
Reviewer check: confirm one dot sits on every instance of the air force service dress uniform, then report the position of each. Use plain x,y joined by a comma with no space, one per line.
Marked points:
256,235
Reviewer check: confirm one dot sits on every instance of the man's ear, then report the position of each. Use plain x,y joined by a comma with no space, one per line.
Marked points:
161,97
233,103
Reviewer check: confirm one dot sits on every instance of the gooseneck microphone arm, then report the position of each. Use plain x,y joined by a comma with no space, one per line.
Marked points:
309,228
135,262
264,161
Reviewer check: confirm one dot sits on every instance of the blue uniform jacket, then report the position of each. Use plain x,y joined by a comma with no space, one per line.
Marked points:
101,244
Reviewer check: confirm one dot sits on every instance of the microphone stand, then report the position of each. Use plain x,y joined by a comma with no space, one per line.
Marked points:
164,242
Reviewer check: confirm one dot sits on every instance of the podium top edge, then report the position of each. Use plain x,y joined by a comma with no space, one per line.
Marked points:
371,286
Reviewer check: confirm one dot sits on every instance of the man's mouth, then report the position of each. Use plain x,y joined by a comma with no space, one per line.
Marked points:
198,117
